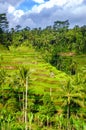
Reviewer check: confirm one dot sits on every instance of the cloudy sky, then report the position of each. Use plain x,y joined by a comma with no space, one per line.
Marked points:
41,13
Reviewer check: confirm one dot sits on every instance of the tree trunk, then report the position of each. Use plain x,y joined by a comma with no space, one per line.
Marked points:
26,104
23,108
47,121
68,111
68,117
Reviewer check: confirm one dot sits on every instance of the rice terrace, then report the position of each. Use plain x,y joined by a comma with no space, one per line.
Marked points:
42,77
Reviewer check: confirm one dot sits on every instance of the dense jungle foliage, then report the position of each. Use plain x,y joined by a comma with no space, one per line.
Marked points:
42,77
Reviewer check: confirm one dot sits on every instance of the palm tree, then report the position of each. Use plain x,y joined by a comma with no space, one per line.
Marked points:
69,96
24,81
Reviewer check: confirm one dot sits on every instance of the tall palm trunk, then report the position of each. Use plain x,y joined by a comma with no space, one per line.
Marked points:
26,103
23,108
68,116
24,76
68,111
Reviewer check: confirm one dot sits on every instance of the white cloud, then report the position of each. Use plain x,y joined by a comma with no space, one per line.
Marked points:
59,3
49,4
18,13
73,3
45,12
11,9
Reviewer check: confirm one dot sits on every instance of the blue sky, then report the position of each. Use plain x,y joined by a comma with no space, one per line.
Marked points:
41,13
27,5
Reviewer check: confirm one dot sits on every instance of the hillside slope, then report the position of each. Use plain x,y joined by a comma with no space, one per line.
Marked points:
43,75
53,101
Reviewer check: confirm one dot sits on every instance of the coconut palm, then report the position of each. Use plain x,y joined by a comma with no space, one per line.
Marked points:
70,97
24,80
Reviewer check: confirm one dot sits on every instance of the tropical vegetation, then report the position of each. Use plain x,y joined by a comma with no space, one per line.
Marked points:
42,77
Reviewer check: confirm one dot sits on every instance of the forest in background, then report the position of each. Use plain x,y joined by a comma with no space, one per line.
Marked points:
54,42
42,77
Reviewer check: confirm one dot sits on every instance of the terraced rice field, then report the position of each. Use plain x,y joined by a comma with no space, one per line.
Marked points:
45,78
